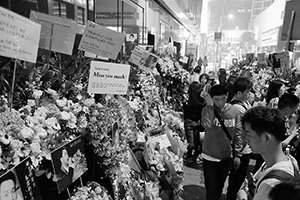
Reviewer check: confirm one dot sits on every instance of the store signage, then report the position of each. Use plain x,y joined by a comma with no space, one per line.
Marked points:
108,78
69,163
19,36
58,34
143,59
218,36
101,41
116,15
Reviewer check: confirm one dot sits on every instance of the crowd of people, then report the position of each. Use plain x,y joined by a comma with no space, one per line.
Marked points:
225,127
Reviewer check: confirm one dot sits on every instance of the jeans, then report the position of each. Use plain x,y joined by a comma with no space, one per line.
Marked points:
197,146
237,177
215,174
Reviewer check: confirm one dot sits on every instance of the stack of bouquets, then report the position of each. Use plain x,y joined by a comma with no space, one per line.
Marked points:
261,81
92,191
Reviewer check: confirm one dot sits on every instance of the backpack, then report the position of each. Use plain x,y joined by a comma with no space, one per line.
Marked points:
233,102
277,174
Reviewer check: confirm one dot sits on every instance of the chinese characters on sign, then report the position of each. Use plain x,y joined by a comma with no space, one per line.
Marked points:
17,34
101,41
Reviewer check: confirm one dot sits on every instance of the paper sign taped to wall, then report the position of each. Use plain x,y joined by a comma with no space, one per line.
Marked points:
108,78
19,36
143,59
101,41
58,31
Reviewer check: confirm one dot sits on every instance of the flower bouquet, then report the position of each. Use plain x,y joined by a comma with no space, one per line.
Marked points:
92,191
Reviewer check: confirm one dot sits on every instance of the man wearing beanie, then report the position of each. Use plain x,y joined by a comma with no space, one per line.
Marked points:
222,145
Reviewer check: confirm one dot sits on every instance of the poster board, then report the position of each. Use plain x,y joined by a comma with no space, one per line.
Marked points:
69,163
108,78
57,34
17,34
23,180
101,41
143,59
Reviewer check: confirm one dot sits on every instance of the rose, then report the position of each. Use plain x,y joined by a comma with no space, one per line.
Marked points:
37,94
61,102
16,144
35,148
27,133
52,123
65,116
31,102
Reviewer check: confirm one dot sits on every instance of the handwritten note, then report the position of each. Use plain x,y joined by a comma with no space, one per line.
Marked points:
19,36
101,41
108,78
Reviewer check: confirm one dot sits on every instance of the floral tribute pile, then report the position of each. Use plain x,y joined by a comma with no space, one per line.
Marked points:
57,110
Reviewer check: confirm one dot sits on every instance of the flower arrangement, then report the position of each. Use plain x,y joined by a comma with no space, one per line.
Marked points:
92,191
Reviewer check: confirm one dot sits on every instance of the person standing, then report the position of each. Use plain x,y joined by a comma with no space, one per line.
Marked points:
196,74
265,130
200,61
222,142
192,125
241,89
205,64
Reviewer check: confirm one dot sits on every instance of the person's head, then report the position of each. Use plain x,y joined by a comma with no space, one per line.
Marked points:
8,190
276,89
64,159
203,79
218,94
265,129
194,92
241,88
197,69
288,104
286,190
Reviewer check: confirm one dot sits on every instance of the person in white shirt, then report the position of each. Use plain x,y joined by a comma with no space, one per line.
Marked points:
195,75
265,130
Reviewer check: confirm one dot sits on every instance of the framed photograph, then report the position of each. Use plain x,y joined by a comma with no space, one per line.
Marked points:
69,163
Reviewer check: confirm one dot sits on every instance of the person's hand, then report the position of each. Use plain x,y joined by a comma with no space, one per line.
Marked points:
208,119
207,98
236,162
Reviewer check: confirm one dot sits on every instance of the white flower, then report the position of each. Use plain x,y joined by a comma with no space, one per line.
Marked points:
16,144
61,102
77,108
82,122
52,123
35,148
27,133
72,121
41,113
31,102
37,94
65,115
52,92
31,121
85,109
89,102
40,131
79,97
51,131
68,105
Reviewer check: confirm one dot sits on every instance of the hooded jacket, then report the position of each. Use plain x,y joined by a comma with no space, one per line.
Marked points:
216,143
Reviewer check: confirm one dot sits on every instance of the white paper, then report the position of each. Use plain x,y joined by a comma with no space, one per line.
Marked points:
143,59
108,78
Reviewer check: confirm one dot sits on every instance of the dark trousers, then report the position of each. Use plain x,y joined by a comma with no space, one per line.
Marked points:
197,146
237,177
215,174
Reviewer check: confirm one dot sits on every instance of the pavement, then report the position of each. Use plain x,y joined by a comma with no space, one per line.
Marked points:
193,182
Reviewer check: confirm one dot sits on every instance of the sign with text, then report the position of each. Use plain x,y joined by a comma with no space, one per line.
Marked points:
23,181
101,41
143,59
108,78
191,48
162,140
19,36
57,34
284,59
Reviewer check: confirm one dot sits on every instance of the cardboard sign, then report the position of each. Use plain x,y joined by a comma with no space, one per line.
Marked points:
101,41
22,178
143,59
69,163
162,140
19,36
108,78
58,34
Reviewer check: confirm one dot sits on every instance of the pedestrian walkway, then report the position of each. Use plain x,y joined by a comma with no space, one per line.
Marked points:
193,182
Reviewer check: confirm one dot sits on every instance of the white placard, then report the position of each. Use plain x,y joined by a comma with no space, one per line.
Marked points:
19,36
162,140
143,59
108,78
101,41
183,59
58,31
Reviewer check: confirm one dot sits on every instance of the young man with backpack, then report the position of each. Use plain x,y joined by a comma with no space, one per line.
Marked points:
241,89
265,130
